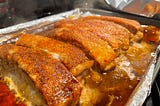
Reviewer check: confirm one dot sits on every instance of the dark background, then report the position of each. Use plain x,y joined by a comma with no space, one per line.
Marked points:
18,11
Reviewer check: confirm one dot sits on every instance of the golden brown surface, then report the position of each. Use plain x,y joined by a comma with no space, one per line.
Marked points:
117,44
131,25
54,81
115,35
72,57
117,85
87,31
77,32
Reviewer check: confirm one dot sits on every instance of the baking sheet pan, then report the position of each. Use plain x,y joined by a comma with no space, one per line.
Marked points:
10,34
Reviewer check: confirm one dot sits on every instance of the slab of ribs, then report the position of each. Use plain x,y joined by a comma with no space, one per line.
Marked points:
85,61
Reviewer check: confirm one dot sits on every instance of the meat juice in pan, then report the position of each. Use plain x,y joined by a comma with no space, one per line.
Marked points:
107,81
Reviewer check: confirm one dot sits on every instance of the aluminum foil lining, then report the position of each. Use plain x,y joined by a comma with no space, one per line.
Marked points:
148,8
143,89
9,34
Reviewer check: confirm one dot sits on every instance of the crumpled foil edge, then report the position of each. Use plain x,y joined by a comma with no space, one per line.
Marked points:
143,89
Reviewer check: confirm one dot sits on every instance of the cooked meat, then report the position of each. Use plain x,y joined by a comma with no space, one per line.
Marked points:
41,70
116,35
77,33
131,25
35,73
73,58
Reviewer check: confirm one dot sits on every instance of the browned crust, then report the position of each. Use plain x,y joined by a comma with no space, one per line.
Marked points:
70,55
116,35
94,33
132,25
54,81
73,31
